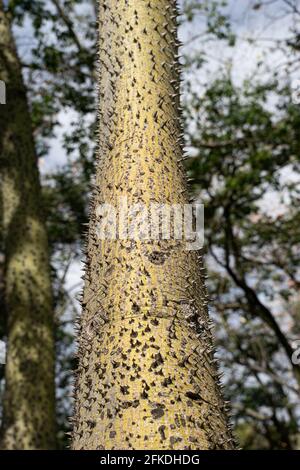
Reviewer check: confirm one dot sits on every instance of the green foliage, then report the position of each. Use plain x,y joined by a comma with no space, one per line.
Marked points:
217,22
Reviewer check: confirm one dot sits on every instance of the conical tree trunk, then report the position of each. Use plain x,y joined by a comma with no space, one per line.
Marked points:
146,377
29,404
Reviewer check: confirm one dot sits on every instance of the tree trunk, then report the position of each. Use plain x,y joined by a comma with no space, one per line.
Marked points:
29,404
146,377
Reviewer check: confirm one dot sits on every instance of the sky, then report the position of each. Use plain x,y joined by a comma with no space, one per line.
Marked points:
265,25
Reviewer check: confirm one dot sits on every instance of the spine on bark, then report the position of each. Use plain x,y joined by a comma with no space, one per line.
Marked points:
146,376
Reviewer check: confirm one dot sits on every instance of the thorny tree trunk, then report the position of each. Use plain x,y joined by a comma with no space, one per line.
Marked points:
146,377
29,404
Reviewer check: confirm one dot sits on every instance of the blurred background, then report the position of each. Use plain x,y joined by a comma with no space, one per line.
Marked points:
241,111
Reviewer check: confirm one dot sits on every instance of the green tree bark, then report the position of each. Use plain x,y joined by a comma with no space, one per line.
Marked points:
29,404
146,377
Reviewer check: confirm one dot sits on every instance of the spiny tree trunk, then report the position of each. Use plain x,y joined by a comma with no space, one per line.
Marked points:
146,377
29,404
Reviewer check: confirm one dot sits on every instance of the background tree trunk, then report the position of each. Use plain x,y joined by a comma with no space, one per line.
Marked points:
146,376
29,404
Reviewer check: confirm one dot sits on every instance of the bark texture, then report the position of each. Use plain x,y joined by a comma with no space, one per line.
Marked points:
29,404
146,377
